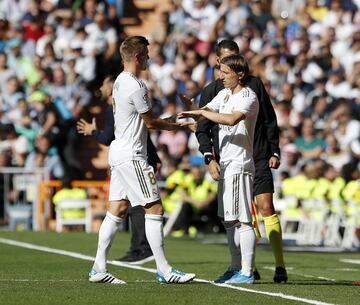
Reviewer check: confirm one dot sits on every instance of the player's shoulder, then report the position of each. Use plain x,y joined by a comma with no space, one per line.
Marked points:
129,81
247,92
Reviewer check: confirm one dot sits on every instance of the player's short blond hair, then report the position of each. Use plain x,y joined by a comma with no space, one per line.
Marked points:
132,45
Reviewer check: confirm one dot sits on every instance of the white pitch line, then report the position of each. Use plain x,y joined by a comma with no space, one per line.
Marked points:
345,269
303,274
350,261
35,280
59,280
116,263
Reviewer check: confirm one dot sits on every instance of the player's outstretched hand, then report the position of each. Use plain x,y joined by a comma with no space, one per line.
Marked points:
190,125
195,114
170,119
189,102
86,128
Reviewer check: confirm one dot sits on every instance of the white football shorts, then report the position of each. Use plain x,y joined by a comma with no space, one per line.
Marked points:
235,193
134,181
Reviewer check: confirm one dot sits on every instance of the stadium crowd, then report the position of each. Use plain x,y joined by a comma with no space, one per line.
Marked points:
55,54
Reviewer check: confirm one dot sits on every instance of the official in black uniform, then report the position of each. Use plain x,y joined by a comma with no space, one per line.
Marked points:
266,156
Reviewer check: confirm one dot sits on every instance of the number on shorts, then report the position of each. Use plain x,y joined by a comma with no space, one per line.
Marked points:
152,178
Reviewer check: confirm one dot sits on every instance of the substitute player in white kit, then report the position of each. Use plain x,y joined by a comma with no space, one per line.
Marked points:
132,178
235,109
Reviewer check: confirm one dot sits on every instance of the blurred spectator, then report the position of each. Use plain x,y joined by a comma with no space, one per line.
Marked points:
201,19
197,65
89,12
258,15
176,17
5,72
235,18
317,12
9,98
14,143
290,165
318,111
14,10
102,38
72,95
337,86
345,128
19,62
162,73
309,145
25,126
50,59
334,155
49,36
65,32
192,92
45,158
59,130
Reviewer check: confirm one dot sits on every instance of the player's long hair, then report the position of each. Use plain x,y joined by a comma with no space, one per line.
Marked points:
237,63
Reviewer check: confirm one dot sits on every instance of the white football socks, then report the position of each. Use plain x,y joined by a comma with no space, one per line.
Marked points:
155,237
247,240
108,229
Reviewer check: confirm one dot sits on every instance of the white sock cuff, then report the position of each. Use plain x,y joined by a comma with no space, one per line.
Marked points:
114,218
155,217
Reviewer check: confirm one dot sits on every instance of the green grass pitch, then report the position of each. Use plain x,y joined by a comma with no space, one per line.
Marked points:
33,277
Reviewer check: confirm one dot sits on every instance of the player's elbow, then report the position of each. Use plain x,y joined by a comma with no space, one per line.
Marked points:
232,121
235,119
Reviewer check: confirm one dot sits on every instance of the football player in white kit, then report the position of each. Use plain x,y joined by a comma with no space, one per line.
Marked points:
235,109
132,178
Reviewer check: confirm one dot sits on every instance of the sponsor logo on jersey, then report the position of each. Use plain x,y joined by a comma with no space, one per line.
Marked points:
226,128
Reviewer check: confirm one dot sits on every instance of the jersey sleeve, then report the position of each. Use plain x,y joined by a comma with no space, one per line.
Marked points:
141,100
248,105
214,104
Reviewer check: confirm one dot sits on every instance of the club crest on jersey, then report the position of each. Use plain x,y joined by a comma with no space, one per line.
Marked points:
155,192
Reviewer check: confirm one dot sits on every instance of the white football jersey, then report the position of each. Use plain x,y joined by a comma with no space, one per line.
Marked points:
236,142
130,99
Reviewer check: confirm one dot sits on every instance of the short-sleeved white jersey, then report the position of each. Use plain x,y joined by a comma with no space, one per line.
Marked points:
236,142
130,99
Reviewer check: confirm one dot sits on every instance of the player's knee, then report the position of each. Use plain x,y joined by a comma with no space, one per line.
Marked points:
265,204
267,209
154,208
119,208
